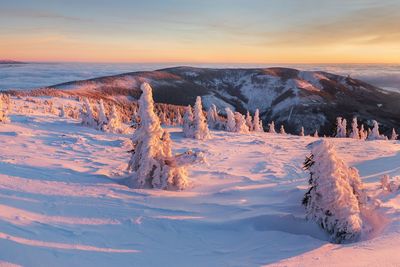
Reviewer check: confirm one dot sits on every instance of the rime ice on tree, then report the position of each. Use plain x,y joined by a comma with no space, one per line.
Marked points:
188,124
335,194
230,123
87,114
355,133
341,125
272,127
152,160
3,114
240,121
301,131
102,121
257,122
394,135
374,134
249,121
200,126
114,124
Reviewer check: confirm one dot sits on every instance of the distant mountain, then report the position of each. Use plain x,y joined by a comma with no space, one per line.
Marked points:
6,61
295,98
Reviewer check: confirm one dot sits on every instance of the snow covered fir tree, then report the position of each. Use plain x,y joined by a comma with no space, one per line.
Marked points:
87,114
152,163
114,124
3,111
335,197
200,126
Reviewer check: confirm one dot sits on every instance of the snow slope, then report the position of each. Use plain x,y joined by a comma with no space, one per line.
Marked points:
61,204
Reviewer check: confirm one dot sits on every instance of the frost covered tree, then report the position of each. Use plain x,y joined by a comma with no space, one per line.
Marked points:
102,118
199,122
152,161
301,131
6,98
341,126
335,195
87,114
188,126
241,125
249,121
257,122
163,118
363,133
282,130
394,135
3,114
355,133
212,117
230,123
390,185
374,134
63,112
271,127
114,124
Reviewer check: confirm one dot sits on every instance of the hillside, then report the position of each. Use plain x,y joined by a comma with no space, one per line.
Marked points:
288,96
62,205
7,61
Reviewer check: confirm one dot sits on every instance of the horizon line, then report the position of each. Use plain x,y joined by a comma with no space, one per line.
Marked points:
188,63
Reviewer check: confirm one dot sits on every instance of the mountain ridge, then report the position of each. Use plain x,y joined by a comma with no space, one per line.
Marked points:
288,96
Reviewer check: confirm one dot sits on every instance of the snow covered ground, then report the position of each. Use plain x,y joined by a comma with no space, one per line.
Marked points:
61,204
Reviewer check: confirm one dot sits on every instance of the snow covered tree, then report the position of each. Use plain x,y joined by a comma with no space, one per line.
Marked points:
199,122
163,118
152,160
394,135
102,120
7,102
3,114
301,131
363,133
87,114
114,124
240,121
271,127
316,134
230,124
249,121
335,194
355,133
390,185
341,126
282,129
188,126
178,120
63,113
257,122
374,134
212,116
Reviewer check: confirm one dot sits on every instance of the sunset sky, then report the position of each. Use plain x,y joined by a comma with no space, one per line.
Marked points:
214,31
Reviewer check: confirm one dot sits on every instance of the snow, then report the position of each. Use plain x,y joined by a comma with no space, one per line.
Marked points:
61,203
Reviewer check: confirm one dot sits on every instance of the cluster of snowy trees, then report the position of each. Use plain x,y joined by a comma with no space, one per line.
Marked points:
194,123
99,120
336,196
390,184
5,108
359,132
236,122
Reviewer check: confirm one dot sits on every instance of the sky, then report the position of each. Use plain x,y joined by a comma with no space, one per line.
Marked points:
209,31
